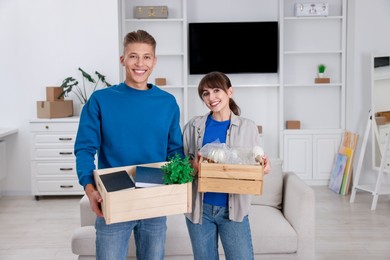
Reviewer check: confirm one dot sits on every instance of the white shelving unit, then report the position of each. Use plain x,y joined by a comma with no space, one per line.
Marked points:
268,99
306,42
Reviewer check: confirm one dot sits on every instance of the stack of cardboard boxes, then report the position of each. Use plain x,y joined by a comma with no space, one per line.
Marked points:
55,106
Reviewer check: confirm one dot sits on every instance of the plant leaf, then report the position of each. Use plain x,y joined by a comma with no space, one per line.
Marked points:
87,76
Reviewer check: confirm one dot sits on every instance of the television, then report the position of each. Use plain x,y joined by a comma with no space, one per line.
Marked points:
233,47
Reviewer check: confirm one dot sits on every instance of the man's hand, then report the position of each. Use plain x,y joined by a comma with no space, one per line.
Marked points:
94,199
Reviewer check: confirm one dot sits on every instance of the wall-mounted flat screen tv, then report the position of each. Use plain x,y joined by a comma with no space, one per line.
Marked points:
233,47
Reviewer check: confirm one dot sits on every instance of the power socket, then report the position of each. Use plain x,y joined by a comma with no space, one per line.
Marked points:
311,9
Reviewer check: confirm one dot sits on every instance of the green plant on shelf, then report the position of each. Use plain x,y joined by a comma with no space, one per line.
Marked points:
177,170
321,68
83,93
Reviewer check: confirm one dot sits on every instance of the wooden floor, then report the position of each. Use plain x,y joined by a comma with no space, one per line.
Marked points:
40,230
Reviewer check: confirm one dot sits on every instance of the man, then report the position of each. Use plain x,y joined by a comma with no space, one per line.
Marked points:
133,122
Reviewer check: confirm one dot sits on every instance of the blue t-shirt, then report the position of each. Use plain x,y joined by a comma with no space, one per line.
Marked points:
215,132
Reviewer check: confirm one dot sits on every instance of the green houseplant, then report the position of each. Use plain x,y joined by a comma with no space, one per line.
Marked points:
321,70
82,93
178,170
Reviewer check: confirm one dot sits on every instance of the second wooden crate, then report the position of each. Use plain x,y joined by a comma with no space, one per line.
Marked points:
230,178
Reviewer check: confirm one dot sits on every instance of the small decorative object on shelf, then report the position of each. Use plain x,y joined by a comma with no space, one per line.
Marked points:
151,12
321,72
293,124
160,81
311,9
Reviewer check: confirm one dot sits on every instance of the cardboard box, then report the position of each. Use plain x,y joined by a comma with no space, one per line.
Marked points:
293,124
160,81
230,178
54,109
142,203
52,93
322,80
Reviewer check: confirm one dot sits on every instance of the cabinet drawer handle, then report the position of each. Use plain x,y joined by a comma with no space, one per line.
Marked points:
66,186
66,153
66,169
65,138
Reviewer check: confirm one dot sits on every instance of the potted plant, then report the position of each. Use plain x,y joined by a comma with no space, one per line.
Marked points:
82,93
178,170
321,70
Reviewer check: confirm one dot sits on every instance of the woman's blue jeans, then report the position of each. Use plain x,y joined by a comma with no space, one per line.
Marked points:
235,236
112,241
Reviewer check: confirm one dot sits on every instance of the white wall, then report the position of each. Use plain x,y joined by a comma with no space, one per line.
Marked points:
44,41
368,33
41,43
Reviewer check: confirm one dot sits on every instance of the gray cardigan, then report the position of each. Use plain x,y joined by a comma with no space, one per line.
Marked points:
242,132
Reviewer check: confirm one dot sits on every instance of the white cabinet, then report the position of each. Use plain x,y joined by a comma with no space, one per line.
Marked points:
310,154
305,43
53,164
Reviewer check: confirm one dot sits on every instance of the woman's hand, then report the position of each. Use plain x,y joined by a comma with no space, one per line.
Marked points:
267,164
195,163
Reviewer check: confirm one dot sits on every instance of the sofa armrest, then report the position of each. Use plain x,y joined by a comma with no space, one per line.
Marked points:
87,216
299,210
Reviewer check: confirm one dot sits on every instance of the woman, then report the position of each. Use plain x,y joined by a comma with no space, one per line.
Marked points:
219,214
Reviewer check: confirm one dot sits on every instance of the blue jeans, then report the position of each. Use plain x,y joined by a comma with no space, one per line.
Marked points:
112,241
235,236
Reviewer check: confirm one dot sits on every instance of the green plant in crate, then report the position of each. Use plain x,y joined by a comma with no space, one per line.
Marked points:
82,93
177,170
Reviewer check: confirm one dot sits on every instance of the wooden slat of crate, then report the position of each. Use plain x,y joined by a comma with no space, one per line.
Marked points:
229,186
230,178
143,203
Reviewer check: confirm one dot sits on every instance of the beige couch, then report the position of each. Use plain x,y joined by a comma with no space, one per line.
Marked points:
282,223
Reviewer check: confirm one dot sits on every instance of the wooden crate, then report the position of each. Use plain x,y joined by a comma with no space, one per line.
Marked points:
142,203
230,178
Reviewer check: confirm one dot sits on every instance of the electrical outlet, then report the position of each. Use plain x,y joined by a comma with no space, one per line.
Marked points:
311,9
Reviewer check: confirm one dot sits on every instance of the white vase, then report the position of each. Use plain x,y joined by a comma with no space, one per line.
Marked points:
320,75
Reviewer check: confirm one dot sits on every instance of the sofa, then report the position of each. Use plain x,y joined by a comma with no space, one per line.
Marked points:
282,222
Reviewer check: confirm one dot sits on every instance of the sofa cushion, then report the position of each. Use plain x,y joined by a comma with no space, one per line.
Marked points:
271,232
272,186
83,241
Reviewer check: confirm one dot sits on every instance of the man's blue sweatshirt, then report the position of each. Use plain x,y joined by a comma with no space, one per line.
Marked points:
126,126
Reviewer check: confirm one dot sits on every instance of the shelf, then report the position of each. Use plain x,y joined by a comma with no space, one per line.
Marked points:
247,86
383,190
313,131
292,85
312,52
385,77
313,18
170,54
154,20
171,86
